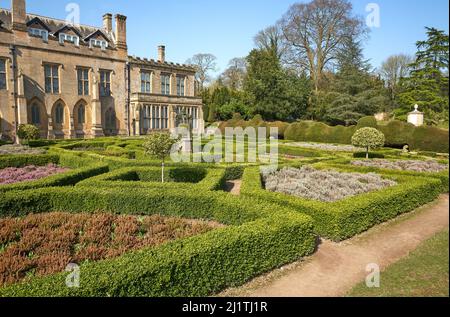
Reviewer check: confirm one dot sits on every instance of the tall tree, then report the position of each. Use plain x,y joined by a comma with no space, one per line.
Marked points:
317,31
353,91
393,69
428,84
271,38
204,64
273,92
233,76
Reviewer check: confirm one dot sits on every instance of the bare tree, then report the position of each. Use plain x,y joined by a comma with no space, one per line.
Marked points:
271,38
316,32
204,64
234,75
393,69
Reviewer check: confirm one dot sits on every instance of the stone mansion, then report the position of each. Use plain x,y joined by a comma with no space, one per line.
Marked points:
78,81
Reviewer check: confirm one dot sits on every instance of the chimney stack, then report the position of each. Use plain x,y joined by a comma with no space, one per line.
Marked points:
161,54
107,22
19,15
121,31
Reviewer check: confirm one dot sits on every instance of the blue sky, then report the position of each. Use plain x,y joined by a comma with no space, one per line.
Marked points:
226,28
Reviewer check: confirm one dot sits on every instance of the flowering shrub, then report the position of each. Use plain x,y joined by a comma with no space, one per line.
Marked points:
11,149
326,147
403,165
323,185
14,175
44,244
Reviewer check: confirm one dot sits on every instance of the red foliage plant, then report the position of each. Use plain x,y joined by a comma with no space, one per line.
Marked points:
44,244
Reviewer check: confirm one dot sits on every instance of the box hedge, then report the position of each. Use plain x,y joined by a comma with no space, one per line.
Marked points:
25,160
68,178
195,178
397,133
256,241
346,218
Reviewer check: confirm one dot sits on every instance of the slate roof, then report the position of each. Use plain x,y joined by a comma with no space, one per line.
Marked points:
55,25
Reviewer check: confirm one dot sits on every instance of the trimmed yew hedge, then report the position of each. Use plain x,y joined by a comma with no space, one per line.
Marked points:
68,178
397,133
346,218
25,160
259,238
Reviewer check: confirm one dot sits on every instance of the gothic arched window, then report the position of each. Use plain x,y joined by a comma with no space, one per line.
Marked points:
81,114
59,114
35,114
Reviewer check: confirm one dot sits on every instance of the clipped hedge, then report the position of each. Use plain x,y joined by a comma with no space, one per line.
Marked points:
256,241
194,178
397,133
197,266
430,139
309,131
372,155
64,179
25,160
349,217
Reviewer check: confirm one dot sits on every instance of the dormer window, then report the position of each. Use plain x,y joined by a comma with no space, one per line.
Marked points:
39,33
98,43
63,37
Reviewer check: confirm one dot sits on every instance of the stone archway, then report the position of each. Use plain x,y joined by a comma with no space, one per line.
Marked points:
37,116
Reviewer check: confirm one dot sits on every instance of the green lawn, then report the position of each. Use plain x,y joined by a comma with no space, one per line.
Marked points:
424,273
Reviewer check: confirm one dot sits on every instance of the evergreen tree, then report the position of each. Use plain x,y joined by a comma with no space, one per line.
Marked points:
427,85
273,92
353,92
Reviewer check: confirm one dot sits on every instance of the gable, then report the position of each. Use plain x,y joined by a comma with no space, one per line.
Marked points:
67,29
37,23
97,35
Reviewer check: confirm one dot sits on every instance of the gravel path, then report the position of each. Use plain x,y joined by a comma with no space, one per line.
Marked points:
234,187
336,267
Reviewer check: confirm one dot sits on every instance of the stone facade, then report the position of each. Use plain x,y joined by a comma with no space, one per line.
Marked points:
79,82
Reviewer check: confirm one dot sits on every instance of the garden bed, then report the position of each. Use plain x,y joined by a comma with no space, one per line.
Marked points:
44,244
404,165
348,217
326,185
13,175
13,149
255,240
174,177
325,147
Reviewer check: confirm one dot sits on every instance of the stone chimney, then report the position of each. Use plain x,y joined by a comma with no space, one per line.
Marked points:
161,54
121,31
19,15
107,22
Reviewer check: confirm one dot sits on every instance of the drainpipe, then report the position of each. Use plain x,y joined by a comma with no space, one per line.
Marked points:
16,107
128,87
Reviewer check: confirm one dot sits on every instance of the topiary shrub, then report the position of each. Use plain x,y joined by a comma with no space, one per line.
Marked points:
368,138
282,127
367,122
397,133
298,131
429,139
28,132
